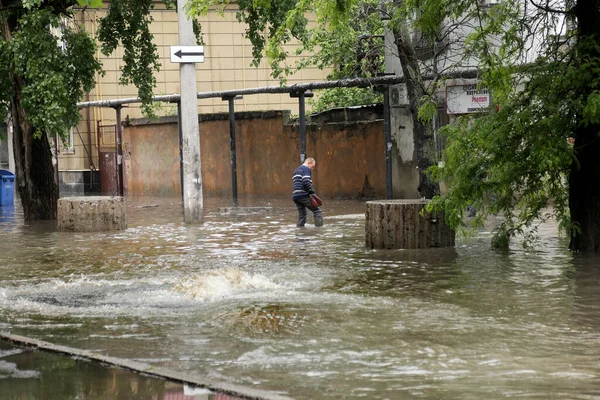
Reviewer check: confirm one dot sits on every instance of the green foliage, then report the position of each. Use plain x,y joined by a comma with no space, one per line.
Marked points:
273,24
428,109
55,77
128,23
282,20
5,83
344,97
90,3
162,109
515,163
345,38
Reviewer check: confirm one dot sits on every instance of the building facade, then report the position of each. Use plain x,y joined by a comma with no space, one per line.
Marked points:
226,66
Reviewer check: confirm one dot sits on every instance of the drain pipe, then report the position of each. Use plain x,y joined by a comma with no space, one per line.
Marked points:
119,150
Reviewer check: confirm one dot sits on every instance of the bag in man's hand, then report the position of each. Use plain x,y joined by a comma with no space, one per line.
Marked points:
315,200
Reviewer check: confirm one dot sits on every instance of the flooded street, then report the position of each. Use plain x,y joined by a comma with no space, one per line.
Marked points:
26,374
248,298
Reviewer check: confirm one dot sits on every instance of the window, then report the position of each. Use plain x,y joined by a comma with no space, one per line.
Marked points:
68,147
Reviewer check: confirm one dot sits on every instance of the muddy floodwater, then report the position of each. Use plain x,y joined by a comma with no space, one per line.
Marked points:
248,298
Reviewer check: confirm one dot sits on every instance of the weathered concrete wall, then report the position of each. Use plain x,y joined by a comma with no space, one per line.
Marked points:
91,214
151,158
265,155
350,156
405,175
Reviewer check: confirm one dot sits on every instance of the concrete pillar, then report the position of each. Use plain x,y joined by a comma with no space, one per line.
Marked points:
398,224
190,133
91,214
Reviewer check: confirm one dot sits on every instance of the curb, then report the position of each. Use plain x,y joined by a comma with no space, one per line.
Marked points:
146,369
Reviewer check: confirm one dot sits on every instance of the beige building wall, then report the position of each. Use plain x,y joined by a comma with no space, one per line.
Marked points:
227,65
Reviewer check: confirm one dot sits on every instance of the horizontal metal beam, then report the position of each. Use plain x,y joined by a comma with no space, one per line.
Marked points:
298,87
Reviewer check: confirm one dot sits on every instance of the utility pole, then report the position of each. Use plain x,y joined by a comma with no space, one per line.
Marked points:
190,133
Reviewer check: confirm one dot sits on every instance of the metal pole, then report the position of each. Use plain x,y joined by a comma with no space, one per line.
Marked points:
302,120
387,129
232,153
119,152
302,127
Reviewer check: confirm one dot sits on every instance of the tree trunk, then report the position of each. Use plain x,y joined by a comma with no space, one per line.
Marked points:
33,164
584,191
423,132
35,180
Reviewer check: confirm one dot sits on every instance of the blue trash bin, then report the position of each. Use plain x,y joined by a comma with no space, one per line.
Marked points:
7,188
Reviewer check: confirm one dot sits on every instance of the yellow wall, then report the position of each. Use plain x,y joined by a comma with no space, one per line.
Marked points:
228,55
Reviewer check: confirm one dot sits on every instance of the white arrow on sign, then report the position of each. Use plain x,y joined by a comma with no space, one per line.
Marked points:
187,54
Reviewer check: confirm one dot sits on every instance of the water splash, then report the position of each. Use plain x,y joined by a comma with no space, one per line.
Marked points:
225,282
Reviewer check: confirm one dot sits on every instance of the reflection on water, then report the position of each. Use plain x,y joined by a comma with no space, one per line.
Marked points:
310,313
27,374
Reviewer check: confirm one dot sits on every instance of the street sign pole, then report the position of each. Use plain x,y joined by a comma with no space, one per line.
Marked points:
190,133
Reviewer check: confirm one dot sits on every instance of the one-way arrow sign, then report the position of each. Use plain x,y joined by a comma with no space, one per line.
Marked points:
187,54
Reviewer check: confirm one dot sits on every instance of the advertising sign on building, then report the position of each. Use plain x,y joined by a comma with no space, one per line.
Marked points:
465,99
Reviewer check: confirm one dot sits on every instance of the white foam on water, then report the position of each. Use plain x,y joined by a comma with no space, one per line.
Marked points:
347,216
10,370
225,282
6,353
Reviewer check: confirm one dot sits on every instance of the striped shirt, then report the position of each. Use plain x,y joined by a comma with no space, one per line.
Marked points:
301,182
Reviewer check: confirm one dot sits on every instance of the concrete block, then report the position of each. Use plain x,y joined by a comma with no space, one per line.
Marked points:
404,224
91,214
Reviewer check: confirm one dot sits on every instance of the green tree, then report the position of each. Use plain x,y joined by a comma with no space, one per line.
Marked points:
515,163
518,162
47,62
354,50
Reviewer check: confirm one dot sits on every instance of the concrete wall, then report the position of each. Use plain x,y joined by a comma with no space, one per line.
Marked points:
405,175
350,156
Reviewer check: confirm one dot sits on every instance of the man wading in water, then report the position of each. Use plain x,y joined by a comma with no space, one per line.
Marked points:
302,190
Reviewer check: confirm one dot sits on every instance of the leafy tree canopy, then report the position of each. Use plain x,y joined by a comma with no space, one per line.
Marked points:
344,38
52,75
516,162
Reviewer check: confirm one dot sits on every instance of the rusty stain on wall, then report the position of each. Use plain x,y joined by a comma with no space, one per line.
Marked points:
350,156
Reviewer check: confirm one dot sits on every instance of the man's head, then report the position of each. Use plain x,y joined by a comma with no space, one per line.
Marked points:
310,163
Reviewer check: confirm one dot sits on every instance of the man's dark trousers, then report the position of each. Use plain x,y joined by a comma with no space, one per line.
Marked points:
302,204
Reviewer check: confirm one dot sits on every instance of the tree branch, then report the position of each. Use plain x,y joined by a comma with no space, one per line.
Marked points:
547,8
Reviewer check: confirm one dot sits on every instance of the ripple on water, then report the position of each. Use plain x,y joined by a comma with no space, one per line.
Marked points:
254,300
